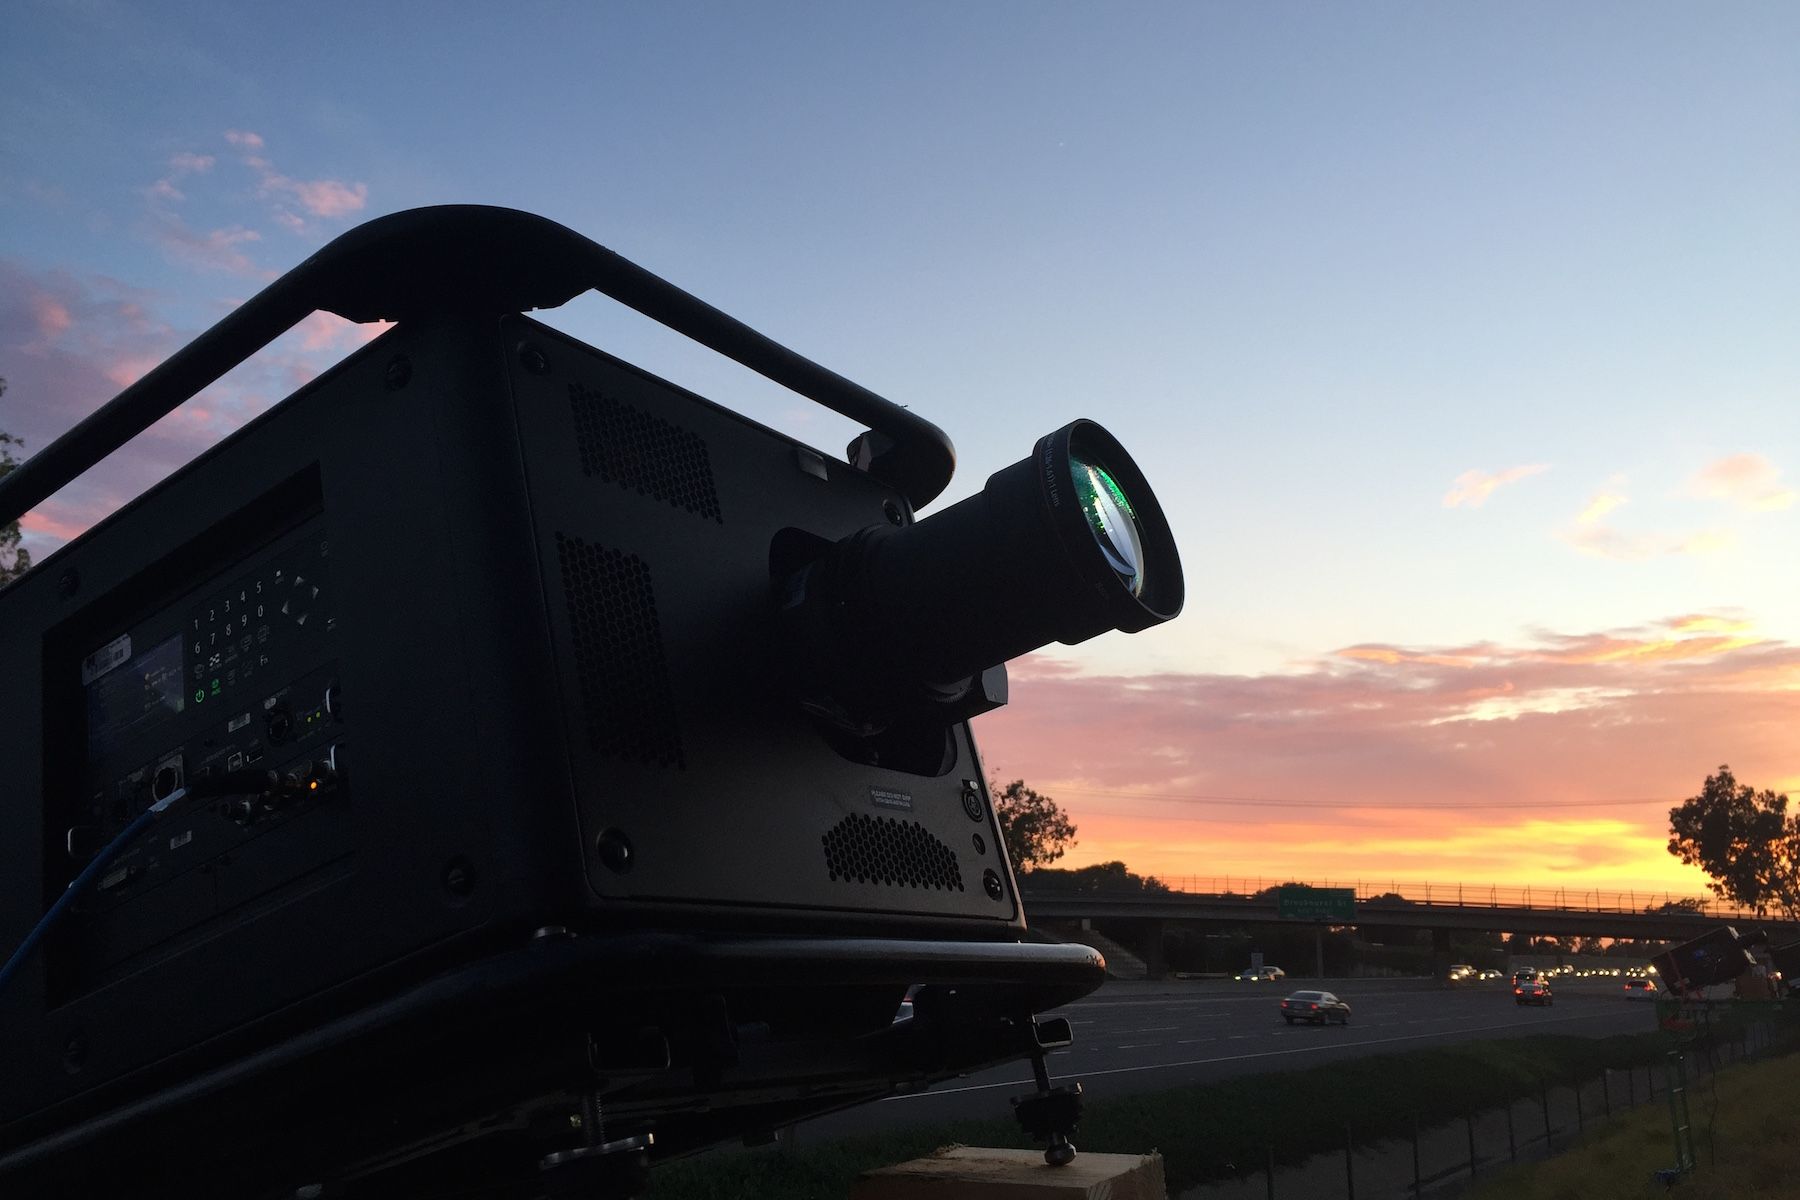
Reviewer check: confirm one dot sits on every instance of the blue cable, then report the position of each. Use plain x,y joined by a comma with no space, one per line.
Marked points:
91,872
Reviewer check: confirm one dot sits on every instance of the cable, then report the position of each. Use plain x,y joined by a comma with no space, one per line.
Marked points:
95,868
232,783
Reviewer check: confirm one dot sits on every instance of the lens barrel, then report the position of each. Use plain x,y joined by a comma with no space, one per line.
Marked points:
1058,547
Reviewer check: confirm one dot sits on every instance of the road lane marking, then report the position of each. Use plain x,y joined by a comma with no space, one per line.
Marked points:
1198,1062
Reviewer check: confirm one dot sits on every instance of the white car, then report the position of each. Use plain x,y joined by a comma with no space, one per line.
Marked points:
1261,975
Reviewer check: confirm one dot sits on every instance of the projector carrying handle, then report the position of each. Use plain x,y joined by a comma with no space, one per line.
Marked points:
463,258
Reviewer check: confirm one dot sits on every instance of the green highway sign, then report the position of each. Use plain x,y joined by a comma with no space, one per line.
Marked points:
1296,903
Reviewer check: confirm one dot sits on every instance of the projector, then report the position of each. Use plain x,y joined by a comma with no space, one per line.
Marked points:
496,769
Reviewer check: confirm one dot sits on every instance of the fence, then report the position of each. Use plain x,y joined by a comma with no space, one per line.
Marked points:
1441,1155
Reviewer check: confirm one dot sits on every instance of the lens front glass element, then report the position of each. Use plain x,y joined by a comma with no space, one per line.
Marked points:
1110,519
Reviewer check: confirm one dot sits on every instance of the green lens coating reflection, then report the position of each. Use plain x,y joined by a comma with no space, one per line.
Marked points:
1111,520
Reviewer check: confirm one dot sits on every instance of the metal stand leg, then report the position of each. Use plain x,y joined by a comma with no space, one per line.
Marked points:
1051,1113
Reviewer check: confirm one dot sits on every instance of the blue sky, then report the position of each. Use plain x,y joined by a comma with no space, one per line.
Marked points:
1440,329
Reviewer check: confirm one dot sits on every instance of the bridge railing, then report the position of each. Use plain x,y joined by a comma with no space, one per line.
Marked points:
1468,894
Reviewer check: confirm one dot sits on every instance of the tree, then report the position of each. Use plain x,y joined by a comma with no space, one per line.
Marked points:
1744,840
1106,877
1035,828
15,560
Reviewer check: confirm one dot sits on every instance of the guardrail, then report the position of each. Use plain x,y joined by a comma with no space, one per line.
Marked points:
1473,895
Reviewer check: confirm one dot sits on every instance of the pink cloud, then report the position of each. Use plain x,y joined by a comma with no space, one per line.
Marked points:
328,331
1749,481
1474,487
324,197
213,250
107,336
51,316
49,522
1457,736
187,163
127,369
163,189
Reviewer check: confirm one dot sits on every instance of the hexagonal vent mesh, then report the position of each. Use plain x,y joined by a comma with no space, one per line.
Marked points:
619,662
627,446
864,849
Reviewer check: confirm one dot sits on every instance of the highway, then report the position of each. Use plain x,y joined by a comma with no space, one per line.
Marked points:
1134,1037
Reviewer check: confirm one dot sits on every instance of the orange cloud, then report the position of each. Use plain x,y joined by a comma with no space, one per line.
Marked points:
1602,541
1474,487
1601,503
1748,481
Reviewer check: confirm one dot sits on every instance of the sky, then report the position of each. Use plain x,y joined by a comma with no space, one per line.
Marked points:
1457,341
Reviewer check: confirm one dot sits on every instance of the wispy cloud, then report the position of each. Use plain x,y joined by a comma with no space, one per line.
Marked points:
1603,541
70,343
325,198
1474,487
1603,501
189,163
293,205
209,250
1748,481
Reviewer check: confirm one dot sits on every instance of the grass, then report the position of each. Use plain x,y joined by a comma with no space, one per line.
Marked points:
1206,1131
1751,1155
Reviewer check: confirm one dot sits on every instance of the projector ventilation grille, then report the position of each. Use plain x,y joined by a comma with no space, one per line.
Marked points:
865,849
627,446
619,662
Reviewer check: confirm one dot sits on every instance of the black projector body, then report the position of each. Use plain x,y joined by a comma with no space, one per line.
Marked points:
501,793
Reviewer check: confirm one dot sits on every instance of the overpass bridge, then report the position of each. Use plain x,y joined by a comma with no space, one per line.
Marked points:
1443,910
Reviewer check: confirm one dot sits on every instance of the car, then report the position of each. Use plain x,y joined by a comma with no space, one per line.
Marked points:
1488,974
1537,991
1261,974
1640,989
1461,971
1524,975
1319,1008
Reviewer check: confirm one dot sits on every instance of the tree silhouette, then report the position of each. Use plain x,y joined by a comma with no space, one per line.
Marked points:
1744,840
15,560
1035,828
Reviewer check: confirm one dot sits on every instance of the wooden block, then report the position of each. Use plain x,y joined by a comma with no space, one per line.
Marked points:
974,1173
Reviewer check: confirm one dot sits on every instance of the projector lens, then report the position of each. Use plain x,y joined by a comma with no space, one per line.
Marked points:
1060,546
1110,519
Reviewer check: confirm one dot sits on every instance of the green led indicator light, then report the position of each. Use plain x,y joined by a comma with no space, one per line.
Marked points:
199,695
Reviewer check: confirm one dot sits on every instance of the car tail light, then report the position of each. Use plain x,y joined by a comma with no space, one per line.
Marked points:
1314,1007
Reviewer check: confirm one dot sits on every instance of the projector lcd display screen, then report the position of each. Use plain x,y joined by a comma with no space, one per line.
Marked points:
126,700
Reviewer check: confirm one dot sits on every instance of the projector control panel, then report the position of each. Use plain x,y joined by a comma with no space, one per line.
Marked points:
235,680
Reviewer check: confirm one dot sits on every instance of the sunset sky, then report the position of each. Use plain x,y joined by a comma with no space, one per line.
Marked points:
1459,343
